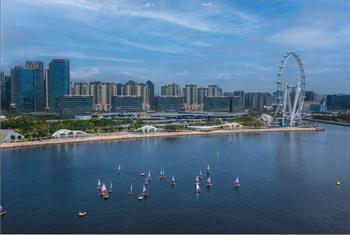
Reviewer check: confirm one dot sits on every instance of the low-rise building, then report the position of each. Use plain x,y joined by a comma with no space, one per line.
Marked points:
217,104
127,103
70,106
169,103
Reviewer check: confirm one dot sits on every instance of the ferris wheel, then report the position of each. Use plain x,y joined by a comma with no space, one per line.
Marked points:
290,97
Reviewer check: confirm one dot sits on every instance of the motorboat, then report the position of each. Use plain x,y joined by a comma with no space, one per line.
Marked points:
140,197
142,174
82,213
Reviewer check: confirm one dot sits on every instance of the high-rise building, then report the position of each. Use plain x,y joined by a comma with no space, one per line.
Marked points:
191,97
257,99
46,82
240,94
102,95
22,90
27,87
150,94
81,88
228,93
338,102
202,93
173,90
310,96
120,89
5,92
214,91
37,68
59,77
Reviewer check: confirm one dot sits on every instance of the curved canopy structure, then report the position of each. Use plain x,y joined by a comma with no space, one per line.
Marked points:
147,129
230,125
65,133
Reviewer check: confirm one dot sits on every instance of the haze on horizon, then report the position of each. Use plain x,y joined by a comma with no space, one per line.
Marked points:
234,44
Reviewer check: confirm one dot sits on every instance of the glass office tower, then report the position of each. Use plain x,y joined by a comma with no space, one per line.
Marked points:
58,84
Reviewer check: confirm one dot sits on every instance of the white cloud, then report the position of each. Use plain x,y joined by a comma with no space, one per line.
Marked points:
206,4
200,20
311,37
184,73
84,73
148,5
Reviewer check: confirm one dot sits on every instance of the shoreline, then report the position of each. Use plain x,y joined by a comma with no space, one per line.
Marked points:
329,122
136,136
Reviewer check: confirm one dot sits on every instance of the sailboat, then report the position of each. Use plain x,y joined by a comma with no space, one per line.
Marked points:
130,191
209,183
173,182
236,184
196,180
144,191
162,175
110,188
104,192
149,177
208,170
98,187
2,212
197,189
200,175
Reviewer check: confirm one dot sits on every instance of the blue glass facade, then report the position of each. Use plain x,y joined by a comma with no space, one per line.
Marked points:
71,106
338,102
217,104
58,81
22,89
169,103
5,92
127,103
37,68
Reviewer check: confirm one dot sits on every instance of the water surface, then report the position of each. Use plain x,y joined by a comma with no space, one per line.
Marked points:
287,185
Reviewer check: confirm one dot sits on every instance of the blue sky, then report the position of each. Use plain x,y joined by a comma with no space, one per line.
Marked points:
235,44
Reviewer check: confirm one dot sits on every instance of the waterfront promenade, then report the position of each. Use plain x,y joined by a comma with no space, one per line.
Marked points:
131,136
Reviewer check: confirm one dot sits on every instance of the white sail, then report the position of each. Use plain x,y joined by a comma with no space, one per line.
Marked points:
1,208
103,188
197,178
208,168
197,188
144,189
131,188
149,174
237,181
209,180
110,185
119,167
161,172
200,172
173,179
99,182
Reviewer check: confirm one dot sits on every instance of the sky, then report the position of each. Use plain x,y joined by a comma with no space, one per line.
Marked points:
235,44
